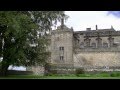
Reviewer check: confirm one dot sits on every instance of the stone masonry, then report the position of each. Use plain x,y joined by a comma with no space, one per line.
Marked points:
89,49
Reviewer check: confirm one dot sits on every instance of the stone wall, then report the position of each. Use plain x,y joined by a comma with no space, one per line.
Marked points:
97,59
37,70
62,38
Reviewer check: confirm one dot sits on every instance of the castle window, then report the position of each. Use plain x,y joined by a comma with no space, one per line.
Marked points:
87,42
105,45
81,45
111,41
93,45
61,48
99,42
61,57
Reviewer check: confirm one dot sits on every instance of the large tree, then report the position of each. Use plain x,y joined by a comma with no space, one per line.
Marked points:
23,37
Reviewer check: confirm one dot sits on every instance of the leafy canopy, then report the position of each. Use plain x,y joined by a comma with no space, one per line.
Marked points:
19,30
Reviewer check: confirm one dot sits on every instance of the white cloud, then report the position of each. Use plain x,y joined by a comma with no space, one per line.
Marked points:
80,20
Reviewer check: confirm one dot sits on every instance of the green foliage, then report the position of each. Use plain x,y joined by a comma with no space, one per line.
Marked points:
79,71
115,74
102,75
52,73
19,30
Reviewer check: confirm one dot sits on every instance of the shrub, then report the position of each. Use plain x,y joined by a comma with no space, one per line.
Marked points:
104,75
47,67
51,73
115,74
112,74
79,71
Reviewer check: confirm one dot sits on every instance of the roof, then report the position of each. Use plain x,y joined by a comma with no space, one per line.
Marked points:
98,30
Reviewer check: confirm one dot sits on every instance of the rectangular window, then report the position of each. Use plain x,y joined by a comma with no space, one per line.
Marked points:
61,57
61,48
105,45
93,45
87,42
99,42
111,41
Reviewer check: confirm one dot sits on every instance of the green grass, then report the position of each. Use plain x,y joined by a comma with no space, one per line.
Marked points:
54,77
102,75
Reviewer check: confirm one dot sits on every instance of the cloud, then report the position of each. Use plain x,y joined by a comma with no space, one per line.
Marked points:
80,20
114,13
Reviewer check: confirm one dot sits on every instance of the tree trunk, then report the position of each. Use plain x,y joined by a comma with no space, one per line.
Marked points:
5,62
4,68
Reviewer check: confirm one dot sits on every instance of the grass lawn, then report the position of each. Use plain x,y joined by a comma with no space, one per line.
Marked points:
102,75
80,76
53,77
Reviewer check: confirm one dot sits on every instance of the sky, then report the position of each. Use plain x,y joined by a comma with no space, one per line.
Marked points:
80,20
21,68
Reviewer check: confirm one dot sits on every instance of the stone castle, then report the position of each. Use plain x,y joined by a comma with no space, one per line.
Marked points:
97,49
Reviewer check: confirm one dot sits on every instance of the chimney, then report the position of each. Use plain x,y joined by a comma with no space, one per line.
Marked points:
96,27
62,23
88,29
112,27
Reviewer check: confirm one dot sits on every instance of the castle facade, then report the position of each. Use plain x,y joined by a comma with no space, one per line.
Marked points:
90,49
97,49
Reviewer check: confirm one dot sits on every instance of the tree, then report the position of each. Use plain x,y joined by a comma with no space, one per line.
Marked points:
19,30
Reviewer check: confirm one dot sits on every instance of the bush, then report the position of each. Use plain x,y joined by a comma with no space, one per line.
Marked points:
102,75
115,74
79,71
47,67
51,73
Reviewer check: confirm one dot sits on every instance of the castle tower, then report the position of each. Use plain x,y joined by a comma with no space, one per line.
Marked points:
62,46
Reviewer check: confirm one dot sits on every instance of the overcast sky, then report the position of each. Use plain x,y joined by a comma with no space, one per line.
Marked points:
80,20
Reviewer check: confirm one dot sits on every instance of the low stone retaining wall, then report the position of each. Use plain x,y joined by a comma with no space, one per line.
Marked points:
62,71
